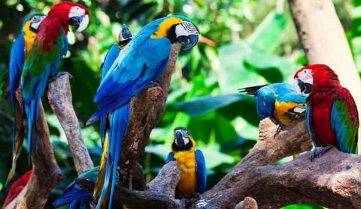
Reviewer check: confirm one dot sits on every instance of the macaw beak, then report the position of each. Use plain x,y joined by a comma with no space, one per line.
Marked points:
79,21
188,41
125,35
179,138
303,87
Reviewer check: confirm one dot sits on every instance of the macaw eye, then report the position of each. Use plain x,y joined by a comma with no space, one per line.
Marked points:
304,71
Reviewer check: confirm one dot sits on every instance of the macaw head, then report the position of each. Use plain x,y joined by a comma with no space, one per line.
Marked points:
71,14
33,21
124,36
315,77
182,139
177,29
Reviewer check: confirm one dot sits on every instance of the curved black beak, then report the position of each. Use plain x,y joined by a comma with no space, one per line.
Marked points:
179,138
125,36
81,22
304,87
188,41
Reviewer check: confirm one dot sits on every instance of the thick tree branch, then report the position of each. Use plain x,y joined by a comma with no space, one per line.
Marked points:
46,173
324,41
60,100
147,108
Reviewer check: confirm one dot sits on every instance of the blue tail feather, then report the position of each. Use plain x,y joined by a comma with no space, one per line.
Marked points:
32,112
75,196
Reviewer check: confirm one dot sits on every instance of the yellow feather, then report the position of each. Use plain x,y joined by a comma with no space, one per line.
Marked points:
165,26
280,109
29,36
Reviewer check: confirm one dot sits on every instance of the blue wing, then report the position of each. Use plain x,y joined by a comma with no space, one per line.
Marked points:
17,56
285,92
201,171
265,102
170,157
344,121
309,125
135,67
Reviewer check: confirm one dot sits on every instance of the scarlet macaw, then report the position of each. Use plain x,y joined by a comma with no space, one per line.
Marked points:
75,195
331,114
44,57
277,101
191,162
141,62
19,52
17,187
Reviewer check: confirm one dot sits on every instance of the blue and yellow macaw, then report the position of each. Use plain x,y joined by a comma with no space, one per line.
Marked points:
44,58
19,52
191,162
75,195
141,62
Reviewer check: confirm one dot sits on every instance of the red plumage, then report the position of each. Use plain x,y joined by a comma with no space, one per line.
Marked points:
17,187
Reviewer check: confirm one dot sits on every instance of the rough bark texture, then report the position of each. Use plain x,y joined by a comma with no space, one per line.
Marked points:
46,173
147,108
247,203
324,41
60,100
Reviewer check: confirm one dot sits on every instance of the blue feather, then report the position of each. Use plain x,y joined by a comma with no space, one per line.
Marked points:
309,125
170,157
201,171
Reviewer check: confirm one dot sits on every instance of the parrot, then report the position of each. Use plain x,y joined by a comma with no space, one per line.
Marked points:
75,195
17,187
279,101
19,52
44,58
191,162
331,114
139,64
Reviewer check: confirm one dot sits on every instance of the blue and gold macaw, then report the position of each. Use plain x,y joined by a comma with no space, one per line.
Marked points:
44,56
19,52
75,195
191,162
141,62
279,101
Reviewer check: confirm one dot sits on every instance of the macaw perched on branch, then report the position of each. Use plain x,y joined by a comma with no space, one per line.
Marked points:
75,195
19,52
279,101
191,162
44,57
17,187
331,115
141,62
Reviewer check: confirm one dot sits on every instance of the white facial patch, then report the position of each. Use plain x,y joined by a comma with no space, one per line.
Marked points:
305,76
76,11
185,29
36,21
296,87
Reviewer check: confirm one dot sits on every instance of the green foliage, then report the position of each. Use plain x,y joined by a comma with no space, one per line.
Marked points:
244,43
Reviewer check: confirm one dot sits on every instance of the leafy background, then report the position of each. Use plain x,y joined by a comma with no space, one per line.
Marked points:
243,43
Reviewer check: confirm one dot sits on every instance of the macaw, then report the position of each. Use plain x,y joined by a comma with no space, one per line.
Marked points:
191,162
331,114
17,187
19,52
279,101
141,62
44,57
75,195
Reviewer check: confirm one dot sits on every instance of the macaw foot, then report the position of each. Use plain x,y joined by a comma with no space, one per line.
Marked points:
295,156
279,127
56,75
189,201
318,151
153,84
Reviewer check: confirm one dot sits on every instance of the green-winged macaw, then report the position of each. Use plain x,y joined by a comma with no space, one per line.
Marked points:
75,195
17,187
331,114
141,62
191,162
44,57
19,52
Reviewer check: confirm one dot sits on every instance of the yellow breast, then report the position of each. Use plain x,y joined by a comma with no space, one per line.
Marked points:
28,37
280,109
188,181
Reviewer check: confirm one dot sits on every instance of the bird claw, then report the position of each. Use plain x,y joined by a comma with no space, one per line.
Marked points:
279,127
153,84
318,151
56,75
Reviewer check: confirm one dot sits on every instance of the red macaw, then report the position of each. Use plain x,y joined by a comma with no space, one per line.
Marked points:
17,187
331,114
44,57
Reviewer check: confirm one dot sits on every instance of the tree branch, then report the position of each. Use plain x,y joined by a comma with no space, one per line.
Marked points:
46,173
324,41
60,100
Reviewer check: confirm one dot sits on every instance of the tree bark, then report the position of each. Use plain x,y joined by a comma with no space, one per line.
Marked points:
324,41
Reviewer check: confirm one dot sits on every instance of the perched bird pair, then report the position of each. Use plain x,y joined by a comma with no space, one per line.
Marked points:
192,165
141,62
35,56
